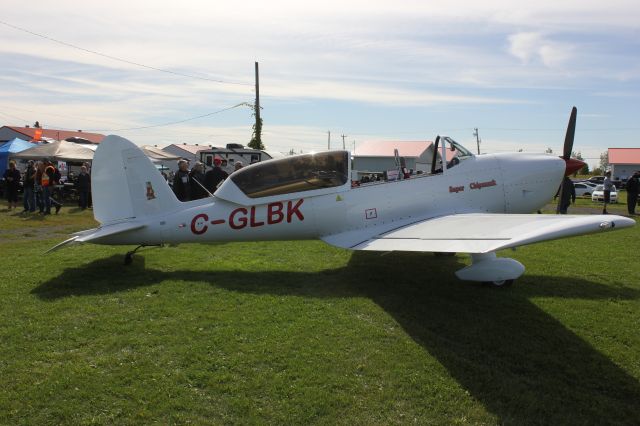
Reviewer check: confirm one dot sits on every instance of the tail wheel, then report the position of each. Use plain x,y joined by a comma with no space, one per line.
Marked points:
499,283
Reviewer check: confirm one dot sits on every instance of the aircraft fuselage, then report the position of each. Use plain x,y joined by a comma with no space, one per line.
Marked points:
491,183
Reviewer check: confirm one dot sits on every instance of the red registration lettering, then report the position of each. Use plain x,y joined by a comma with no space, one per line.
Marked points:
274,213
253,222
294,209
199,227
236,222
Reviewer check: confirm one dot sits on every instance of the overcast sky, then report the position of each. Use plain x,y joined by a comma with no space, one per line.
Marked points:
401,70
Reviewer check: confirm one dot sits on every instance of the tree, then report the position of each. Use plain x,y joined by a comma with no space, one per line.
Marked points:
604,160
256,137
578,156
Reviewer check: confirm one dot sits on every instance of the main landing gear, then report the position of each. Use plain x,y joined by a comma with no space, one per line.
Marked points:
491,270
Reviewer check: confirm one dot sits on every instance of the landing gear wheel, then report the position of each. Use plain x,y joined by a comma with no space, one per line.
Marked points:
499,283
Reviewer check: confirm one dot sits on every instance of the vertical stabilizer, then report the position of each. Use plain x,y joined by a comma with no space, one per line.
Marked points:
126,185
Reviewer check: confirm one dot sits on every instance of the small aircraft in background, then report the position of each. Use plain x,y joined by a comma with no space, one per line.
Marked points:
475,204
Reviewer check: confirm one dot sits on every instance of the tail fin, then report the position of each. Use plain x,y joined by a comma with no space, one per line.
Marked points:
125,184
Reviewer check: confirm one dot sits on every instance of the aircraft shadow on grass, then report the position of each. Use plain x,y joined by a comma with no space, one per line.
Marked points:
521,363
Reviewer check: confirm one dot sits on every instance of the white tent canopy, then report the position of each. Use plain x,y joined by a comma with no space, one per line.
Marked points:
57,151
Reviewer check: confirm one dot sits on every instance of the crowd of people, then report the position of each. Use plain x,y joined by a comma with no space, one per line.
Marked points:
41,183
195,184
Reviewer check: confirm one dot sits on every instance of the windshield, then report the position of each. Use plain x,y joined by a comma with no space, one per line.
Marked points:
459,151
294,174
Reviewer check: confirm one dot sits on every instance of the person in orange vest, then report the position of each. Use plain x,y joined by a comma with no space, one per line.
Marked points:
50,177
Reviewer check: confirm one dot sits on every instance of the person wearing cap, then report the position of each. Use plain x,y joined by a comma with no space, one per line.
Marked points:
182,181
214,176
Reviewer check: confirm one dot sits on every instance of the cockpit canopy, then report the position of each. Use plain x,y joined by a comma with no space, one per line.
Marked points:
294,174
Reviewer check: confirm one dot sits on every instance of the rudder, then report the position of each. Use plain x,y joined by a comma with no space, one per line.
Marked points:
125,184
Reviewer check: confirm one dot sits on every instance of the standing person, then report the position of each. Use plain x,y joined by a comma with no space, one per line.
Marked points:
607,186
197,182
48,182
632,192
88,166
214,176
12,180
567,194
181,181
83,187
29,188
37,185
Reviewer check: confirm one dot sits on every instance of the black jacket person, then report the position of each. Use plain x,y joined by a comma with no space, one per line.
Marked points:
182,182
214,176
567,194
633,185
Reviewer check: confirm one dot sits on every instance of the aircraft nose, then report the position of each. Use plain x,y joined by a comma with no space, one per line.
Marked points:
572,165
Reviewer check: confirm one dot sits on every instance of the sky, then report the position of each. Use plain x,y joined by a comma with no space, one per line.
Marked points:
384,70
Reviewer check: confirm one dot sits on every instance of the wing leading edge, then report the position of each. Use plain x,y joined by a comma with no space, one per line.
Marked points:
484,233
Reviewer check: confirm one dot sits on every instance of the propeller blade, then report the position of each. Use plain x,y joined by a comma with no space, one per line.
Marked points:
571,132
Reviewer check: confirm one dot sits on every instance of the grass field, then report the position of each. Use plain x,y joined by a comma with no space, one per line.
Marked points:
300,332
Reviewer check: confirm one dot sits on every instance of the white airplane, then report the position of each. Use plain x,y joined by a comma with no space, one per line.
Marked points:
476,205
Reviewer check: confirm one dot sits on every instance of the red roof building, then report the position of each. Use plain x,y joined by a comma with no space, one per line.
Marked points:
624,162
8,133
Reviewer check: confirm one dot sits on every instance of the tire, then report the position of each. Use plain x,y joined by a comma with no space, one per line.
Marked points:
499,283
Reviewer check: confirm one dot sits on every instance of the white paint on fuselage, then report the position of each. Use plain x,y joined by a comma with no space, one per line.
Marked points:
493,183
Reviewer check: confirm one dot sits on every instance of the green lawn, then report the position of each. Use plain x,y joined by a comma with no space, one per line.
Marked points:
300,332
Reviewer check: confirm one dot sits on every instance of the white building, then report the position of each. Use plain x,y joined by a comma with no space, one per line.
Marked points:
624,162
378,156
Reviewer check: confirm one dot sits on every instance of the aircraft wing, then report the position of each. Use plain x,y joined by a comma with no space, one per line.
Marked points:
480,232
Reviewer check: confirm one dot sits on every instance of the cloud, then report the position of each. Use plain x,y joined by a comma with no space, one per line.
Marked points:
530,47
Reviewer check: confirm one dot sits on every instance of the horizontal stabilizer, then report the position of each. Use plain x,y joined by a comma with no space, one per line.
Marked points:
91,235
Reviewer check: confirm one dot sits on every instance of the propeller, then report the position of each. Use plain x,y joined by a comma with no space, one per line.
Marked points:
571,132
572,165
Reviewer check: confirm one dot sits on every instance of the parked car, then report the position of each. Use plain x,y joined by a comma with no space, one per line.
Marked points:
583,189
598,194
598,180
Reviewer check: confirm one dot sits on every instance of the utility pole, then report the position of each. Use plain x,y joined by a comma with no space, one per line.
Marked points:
256,139
475,133
328,140
343,145
257,98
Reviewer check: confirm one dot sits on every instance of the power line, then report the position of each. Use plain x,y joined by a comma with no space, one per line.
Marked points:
179,121
114,58
53,127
